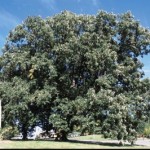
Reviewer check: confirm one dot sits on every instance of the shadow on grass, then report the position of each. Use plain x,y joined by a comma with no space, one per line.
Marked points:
98,143
102,143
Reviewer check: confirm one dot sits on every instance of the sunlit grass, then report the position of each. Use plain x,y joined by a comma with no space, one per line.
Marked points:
64,145
89,137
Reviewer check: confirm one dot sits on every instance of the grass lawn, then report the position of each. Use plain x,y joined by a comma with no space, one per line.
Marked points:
73,143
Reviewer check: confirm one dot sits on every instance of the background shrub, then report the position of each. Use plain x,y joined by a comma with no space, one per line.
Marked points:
146,131
8,132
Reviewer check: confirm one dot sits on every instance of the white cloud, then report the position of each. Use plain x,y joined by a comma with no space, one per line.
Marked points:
2,38
146,70
7,20
81,10
2,41
49,4
145,22
7,23
94,2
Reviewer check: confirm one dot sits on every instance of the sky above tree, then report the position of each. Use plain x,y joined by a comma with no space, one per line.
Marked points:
13,12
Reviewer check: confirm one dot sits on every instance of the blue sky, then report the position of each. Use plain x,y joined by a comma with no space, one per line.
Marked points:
13,12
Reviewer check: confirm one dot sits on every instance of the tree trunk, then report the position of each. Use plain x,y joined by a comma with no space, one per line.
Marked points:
24,133
121,143
61,136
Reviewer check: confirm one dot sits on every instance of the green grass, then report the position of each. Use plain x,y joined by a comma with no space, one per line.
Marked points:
89,137
64,145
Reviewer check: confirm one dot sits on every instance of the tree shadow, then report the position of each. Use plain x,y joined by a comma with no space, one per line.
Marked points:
96,143
102,143
105,143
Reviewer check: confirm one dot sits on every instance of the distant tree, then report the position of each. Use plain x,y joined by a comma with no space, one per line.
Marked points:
77,72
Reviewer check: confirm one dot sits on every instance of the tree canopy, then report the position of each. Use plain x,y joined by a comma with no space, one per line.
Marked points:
76,72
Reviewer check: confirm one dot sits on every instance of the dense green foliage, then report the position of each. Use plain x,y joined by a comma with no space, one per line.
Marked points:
76,72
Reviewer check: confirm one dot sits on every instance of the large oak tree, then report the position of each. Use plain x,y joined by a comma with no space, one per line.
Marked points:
75,72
